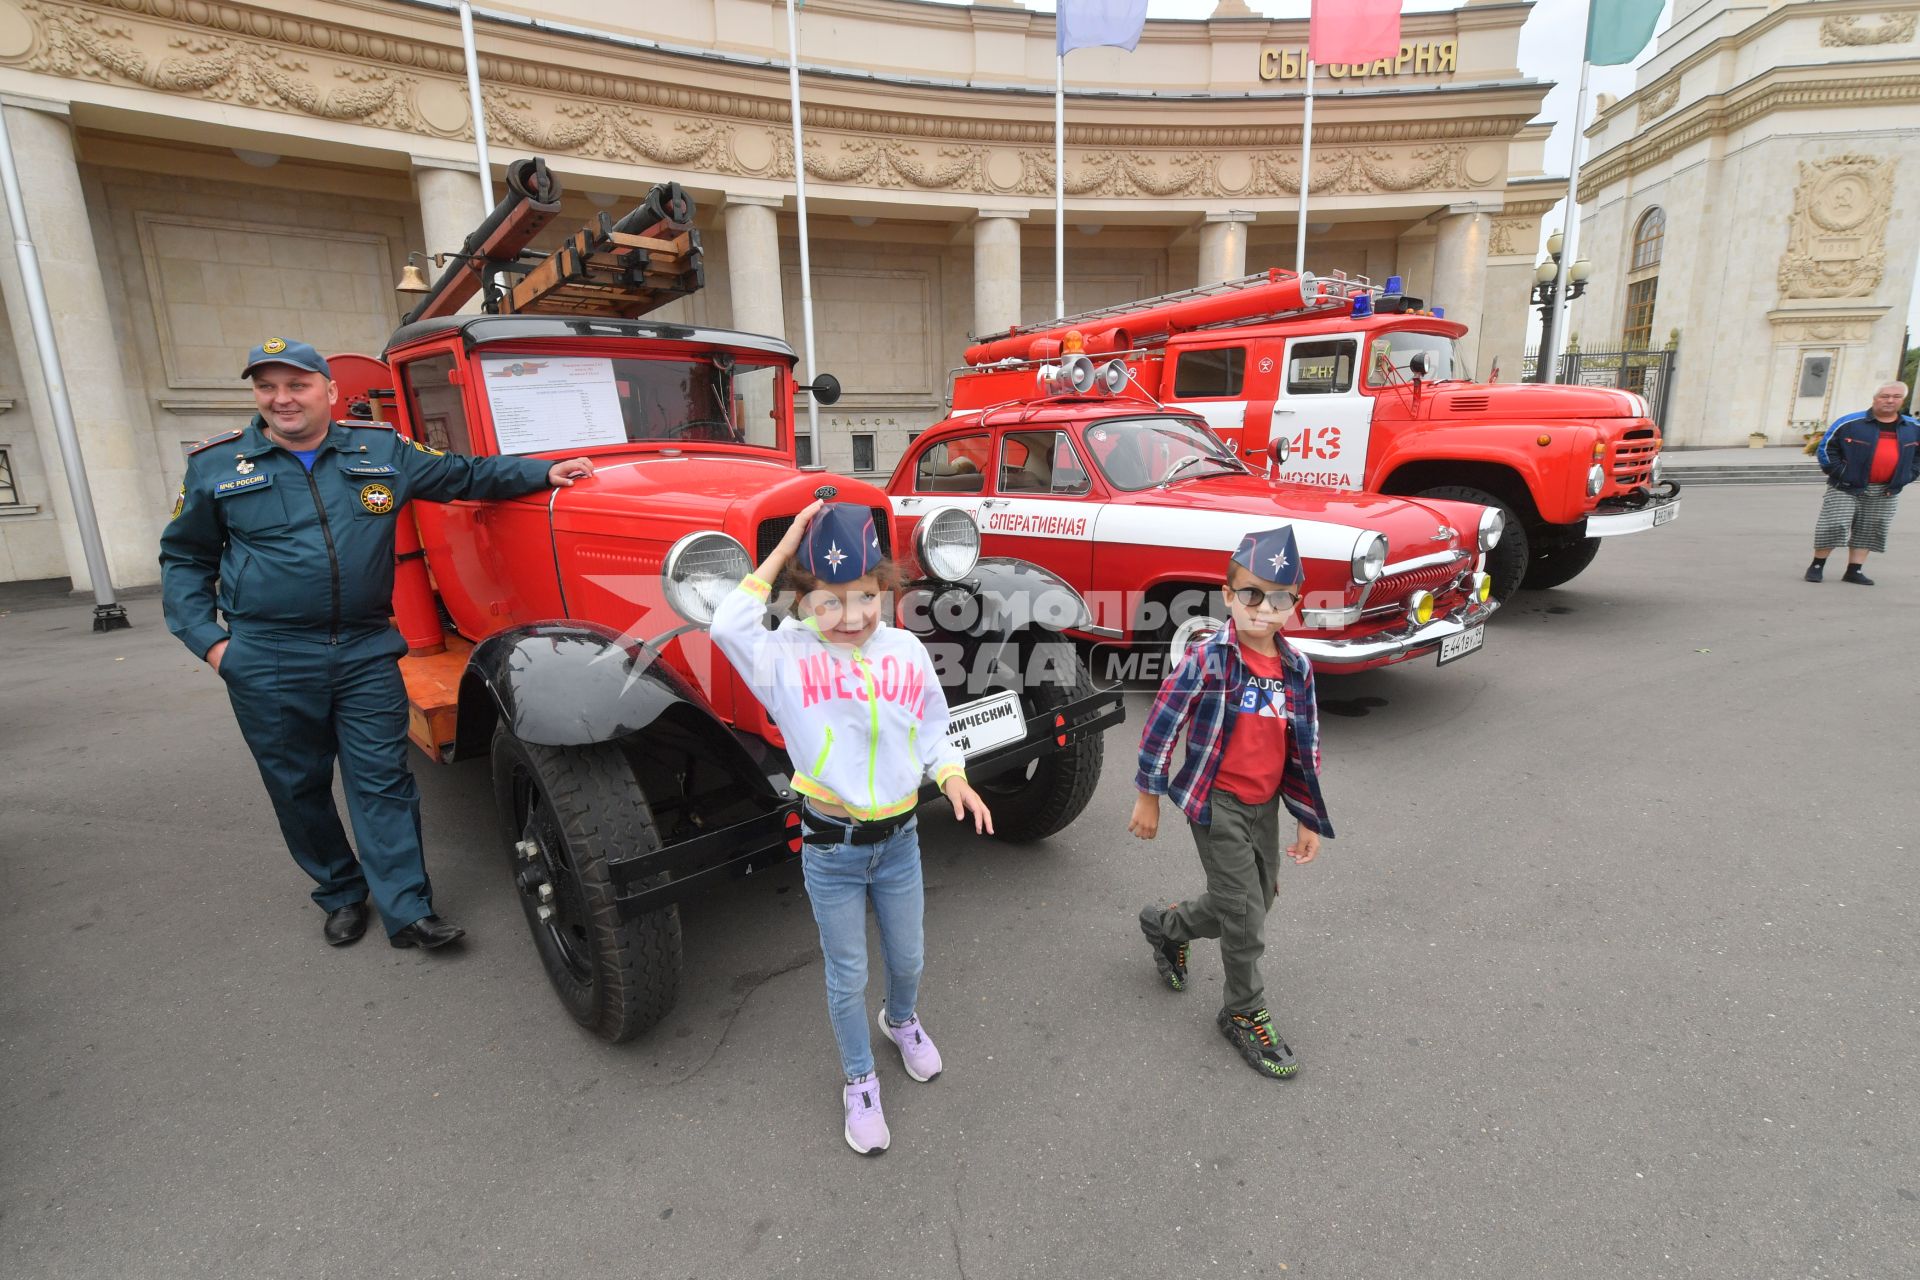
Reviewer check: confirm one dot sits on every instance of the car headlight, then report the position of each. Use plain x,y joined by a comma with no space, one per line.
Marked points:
700,569
1659,469
1369,556
1596,478
947,544
1493,523
1420,608
1480,588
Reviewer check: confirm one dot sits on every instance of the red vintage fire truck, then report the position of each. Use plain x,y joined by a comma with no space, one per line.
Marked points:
1361,384
564,633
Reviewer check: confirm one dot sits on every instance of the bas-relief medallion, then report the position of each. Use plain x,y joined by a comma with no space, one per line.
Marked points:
1836,240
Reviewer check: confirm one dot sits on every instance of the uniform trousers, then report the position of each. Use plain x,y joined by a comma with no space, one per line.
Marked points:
304,703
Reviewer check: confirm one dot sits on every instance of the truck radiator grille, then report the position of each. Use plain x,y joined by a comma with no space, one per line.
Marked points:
1633,456
771,531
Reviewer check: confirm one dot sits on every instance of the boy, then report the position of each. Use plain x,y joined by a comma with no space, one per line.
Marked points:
1245,699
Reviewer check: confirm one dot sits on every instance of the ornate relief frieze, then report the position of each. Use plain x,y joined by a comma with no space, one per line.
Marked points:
1844,30
1513,235
1837,240
1363,171
1843,329
1657,102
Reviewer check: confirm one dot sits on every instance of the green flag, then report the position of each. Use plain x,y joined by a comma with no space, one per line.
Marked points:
1617,30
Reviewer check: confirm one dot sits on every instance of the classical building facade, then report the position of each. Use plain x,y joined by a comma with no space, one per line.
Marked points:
203,173
1756,193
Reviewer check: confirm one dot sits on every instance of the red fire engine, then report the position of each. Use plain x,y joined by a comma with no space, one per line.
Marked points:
1361,383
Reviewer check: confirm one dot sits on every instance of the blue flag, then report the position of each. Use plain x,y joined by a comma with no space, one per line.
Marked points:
1081,24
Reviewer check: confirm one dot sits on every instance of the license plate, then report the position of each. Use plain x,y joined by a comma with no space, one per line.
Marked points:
1665,514
985,724
1468,641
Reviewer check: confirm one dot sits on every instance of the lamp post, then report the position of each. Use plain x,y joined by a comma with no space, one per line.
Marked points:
1546,288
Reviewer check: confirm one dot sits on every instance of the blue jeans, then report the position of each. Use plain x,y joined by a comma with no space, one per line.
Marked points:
840,879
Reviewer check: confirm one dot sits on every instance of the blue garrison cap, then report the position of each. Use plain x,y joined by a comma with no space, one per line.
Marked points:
286,351
1271,554
840,544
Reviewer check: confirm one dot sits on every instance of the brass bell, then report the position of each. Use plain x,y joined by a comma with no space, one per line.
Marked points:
411,279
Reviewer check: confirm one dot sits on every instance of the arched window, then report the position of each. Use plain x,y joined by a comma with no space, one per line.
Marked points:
1643,279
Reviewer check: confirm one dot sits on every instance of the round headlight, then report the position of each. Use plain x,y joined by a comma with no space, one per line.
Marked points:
1596,478
1480,588
700,570
947,544
1369,556
1420,607
1493,523
1659,470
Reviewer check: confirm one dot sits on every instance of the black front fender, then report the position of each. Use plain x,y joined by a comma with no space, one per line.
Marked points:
1015,595
568,684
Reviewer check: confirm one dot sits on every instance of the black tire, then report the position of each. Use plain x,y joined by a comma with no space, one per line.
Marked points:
1033,802
580,806
1552,566
1507,562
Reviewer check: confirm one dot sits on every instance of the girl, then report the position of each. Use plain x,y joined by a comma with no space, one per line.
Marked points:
865,721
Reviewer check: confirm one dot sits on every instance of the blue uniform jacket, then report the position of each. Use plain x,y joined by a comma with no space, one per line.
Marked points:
1846,451
299,550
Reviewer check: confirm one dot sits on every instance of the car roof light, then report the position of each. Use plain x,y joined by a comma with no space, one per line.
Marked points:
1362,305
1394,285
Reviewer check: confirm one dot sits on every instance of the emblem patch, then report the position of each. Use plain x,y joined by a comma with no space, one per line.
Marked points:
179,503
377,498
274,346
427,448
244,466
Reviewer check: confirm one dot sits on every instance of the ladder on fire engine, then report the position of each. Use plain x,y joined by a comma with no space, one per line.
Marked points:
608,269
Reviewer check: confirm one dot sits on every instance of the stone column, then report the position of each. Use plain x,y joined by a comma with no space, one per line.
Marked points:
122,472
451,206
996,271
753,265
1223,247
1460,274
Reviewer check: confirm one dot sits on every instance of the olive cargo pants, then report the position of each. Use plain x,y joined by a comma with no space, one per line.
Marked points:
1240,853
302,703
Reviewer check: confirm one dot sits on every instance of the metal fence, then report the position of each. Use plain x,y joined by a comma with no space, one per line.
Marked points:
1650,373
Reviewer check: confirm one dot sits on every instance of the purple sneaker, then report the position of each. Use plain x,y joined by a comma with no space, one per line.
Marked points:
866,1130
917,1053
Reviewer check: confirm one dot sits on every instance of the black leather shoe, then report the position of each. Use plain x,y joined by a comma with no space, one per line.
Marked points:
346,925
428,932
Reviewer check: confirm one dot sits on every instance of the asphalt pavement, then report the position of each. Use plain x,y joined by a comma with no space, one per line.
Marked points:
1611,972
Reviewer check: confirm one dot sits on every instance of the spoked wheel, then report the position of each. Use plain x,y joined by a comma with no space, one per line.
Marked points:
1033,802
566,811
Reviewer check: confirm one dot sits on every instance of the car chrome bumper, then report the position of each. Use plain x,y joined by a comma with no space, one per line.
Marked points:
1611,524
1391,646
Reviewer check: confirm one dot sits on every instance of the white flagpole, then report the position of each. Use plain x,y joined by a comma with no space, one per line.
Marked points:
479,111
1059,184
1306,175
800,194
1571,235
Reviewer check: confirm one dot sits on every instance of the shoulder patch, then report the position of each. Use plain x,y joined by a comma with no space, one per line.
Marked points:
211,441
179,503
363,424
427,448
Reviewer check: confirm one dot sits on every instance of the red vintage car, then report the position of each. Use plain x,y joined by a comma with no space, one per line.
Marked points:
1138,505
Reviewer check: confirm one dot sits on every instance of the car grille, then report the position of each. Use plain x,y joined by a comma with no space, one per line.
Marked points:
771,531
1389,594
1633,456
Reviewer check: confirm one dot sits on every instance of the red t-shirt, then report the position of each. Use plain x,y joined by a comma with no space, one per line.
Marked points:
1886,455
1256,753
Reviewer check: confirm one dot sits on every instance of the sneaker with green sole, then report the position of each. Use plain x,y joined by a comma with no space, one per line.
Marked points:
1253,1035
1169,957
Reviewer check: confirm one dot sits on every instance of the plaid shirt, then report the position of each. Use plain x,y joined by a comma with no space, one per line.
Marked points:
1200,696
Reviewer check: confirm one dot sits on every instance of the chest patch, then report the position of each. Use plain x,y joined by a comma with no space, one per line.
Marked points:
377,498
241,484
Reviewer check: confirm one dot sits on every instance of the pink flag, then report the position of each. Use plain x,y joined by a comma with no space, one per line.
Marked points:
1350,31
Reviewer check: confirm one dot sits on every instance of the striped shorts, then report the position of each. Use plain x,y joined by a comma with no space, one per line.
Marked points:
1857,520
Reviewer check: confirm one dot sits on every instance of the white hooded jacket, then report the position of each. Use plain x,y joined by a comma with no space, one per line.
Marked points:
863,725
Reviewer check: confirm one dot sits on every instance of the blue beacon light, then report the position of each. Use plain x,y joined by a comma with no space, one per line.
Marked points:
1440,313
1394,285
1362,305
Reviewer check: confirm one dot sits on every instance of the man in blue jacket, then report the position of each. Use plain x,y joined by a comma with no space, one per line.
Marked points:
1869,458
285,528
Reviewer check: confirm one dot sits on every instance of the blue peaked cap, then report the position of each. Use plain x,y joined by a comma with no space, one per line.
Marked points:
840,544
1271,554
287,351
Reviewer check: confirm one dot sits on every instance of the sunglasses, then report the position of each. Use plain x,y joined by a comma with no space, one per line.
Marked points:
1252,596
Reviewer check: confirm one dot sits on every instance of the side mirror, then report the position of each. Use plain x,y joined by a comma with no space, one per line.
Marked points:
825,389
1418,364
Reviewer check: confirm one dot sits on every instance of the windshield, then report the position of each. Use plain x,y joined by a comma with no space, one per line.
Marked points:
1138,453
546,403
1389,353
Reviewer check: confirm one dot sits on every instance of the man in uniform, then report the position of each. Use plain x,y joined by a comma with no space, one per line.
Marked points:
293,516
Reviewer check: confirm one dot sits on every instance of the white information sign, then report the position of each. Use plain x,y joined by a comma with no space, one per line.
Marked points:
545,403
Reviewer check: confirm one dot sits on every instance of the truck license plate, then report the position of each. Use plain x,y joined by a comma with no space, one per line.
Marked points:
1665,514
1460,646
986,723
